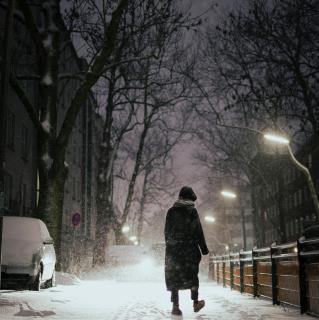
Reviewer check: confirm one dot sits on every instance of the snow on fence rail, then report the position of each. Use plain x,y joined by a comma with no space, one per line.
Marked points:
287,274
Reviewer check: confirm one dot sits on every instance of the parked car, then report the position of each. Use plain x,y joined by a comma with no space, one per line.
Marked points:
28,255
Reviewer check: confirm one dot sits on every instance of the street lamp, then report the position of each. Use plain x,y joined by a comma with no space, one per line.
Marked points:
283,140
210,219
276,138
133,238
228,194
232,195
125,229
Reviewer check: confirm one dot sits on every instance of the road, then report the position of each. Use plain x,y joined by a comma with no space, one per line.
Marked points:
136,296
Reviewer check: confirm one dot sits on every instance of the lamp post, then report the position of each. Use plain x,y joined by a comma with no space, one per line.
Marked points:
232,195
282,140
212,220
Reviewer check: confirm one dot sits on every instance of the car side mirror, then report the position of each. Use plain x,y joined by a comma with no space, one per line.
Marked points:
48,241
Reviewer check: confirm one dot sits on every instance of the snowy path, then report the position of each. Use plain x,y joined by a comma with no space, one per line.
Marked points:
131,300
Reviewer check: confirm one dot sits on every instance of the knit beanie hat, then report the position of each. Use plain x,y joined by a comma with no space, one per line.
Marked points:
187,193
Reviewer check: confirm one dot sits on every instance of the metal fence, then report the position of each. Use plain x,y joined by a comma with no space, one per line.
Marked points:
286,274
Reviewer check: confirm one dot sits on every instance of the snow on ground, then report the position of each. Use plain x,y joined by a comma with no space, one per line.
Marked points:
107,295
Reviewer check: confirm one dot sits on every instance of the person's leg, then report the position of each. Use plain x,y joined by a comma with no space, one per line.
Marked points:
197,305
175,300
174,297
194,294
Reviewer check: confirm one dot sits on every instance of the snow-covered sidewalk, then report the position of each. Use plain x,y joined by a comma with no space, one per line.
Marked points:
131,300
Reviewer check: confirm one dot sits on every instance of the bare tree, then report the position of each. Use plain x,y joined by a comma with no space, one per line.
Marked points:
53,140
133,88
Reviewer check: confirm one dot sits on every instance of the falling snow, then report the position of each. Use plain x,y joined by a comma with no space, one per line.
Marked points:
47,160
46,126
47,80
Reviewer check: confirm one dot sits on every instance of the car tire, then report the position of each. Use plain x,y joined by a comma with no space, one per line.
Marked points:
36,285
51,282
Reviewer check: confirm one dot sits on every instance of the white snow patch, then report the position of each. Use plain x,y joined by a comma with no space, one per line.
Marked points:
46,126
103,145
47,42
102,177
47,160
67,279
47,80
66,164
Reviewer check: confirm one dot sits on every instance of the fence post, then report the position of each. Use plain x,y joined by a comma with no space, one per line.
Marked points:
255,275
242,275
210,268
231,271
273,276
302,280
224,273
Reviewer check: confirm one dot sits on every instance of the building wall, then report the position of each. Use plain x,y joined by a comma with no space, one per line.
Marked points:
285,207
21,149
21,144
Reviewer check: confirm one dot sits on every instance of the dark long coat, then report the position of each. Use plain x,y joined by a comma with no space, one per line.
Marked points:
185,243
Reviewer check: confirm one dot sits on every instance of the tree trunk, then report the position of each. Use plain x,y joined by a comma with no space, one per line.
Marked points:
140,220
52,178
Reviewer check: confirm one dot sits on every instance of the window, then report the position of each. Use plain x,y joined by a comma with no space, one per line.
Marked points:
292,229
8,183
309,160
10,129
24,142
297,226
74,147
295,199
79,191
23,199
73,188
300,196
301,225
287,229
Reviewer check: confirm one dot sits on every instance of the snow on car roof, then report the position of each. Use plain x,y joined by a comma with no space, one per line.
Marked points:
22,228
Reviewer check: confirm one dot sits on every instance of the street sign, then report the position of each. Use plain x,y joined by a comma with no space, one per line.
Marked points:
76,219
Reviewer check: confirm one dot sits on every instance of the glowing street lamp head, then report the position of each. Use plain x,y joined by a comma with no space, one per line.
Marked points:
125,229
226,248
133,238
276,138
228,194
210,219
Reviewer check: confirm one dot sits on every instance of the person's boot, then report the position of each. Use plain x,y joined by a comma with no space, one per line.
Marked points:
176,311
198,305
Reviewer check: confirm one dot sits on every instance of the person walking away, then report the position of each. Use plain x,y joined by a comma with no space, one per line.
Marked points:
185,244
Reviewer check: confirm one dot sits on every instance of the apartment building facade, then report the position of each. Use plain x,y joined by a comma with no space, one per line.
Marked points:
282,204
20,148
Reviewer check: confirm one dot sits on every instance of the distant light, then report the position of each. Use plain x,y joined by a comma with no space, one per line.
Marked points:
295,249
210,219
228,194
133,238
226,248
135,243
235,245
125,229
276,138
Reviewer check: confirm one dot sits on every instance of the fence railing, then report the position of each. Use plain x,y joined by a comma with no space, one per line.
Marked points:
286,274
